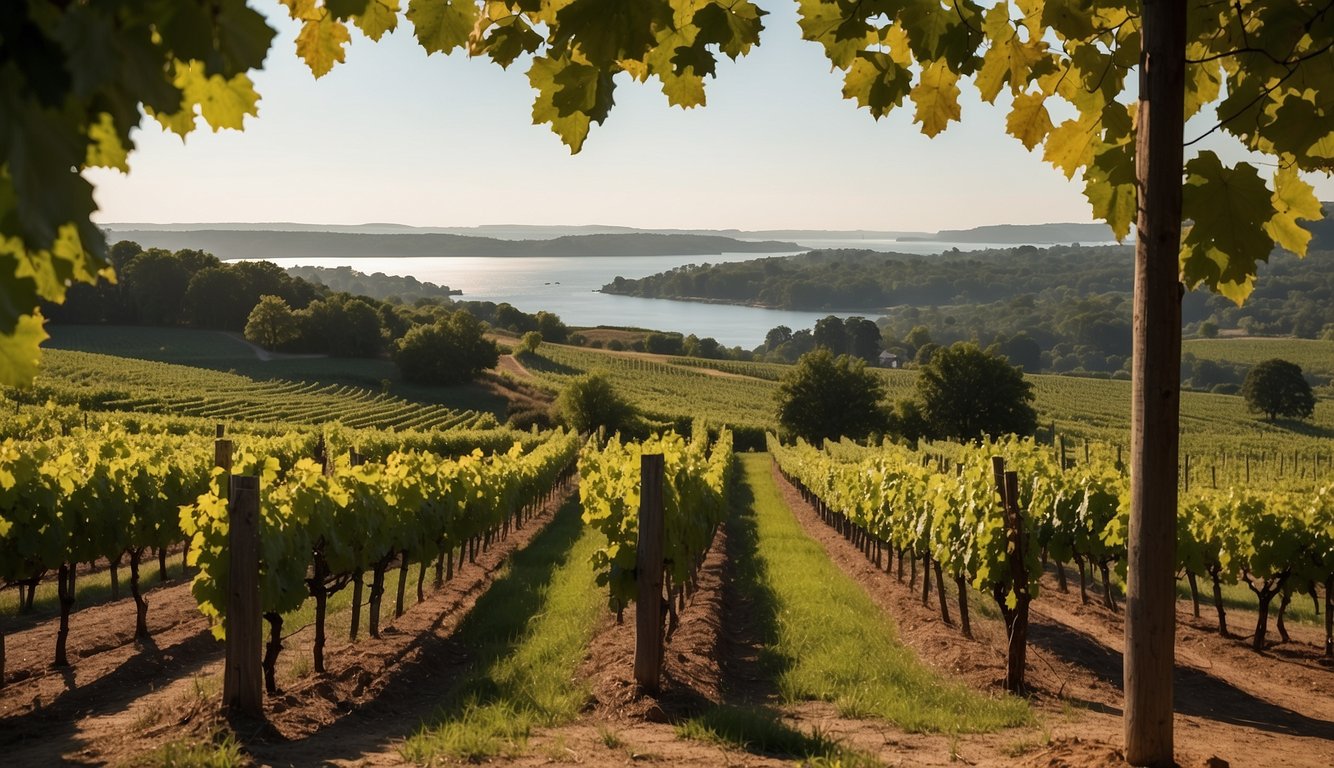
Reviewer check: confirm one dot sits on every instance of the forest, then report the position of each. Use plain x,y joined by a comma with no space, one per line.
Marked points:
1063,309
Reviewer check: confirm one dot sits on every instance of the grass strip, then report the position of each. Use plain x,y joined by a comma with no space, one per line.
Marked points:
760,731
527,636
826,640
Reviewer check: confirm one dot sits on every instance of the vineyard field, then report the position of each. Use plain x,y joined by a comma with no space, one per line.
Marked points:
1316,357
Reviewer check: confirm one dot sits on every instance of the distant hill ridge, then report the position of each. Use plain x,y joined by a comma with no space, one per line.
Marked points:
274,244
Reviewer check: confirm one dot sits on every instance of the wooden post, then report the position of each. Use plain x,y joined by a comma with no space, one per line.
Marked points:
1016,619
1150,627
221,431
242,680
648,571
222,457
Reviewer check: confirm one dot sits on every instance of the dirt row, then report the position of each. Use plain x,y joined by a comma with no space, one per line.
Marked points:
120,699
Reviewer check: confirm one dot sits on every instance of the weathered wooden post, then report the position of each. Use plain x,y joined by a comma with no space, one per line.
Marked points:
242,676
648,574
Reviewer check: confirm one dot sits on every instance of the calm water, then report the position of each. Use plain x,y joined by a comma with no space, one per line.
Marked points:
569,287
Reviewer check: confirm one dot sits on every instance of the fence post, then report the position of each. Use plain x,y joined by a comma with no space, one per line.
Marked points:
1017,656
648,574
242,676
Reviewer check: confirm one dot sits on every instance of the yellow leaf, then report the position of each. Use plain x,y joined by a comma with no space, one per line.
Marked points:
223,103
320,43
1070,145
937,98
1029,121
104,147
1293,199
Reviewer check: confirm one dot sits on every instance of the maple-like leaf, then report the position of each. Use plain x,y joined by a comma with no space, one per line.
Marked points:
937,98
877,82
21,352
320,43
1228,208
442,25
1028,120
1293,199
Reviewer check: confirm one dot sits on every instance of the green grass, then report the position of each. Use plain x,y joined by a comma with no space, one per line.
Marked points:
527,634
221,750
1240,597
760,731
826,640
89,589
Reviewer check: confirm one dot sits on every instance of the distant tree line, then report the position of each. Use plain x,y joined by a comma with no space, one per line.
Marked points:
376,285
434,340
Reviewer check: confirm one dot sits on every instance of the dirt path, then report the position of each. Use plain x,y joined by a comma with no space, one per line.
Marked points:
1246,708
120,700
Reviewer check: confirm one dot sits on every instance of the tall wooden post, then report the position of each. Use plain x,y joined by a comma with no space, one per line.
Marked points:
1155,388
648,571
222,457
242,679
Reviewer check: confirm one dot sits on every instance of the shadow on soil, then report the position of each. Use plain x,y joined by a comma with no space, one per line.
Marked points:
1196,692
444,672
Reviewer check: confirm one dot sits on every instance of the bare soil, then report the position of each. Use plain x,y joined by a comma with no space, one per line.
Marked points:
120,700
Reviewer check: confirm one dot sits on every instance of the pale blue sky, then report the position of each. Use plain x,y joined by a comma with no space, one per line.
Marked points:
394,136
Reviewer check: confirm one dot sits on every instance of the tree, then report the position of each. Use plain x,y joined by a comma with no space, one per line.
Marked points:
863,338
965,393
1277,388
589,403
1265,64
451,350
830,397
830,334
529,343
272,324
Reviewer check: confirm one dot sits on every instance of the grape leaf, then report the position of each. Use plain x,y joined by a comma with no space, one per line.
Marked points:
1028,120
1229,208
937,98
20,351
320,43
876,82
1293,199
379,17
442,25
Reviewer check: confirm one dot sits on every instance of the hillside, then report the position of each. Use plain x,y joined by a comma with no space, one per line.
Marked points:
245,244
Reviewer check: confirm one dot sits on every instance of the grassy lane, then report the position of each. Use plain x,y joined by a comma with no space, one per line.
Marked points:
824,638
526,635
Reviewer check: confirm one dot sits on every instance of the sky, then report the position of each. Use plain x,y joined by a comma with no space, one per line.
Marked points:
393,135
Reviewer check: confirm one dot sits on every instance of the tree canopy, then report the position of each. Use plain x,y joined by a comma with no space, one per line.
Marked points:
450,351
1277,388
830,397
964,393
590,402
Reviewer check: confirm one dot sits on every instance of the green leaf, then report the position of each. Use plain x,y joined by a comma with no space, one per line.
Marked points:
1110,186
937,98
734,27
442,25
20,351
104,147
379,17
223,102
605,31
506,41
1229,208
570,125
876,82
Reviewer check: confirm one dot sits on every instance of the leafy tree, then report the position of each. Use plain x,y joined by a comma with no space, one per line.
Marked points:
965,393
590,402
451,350
863,338
830,397
777,337
272,324
156,282
1277,388
216,298
530,342
830,334
341,327
550,326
